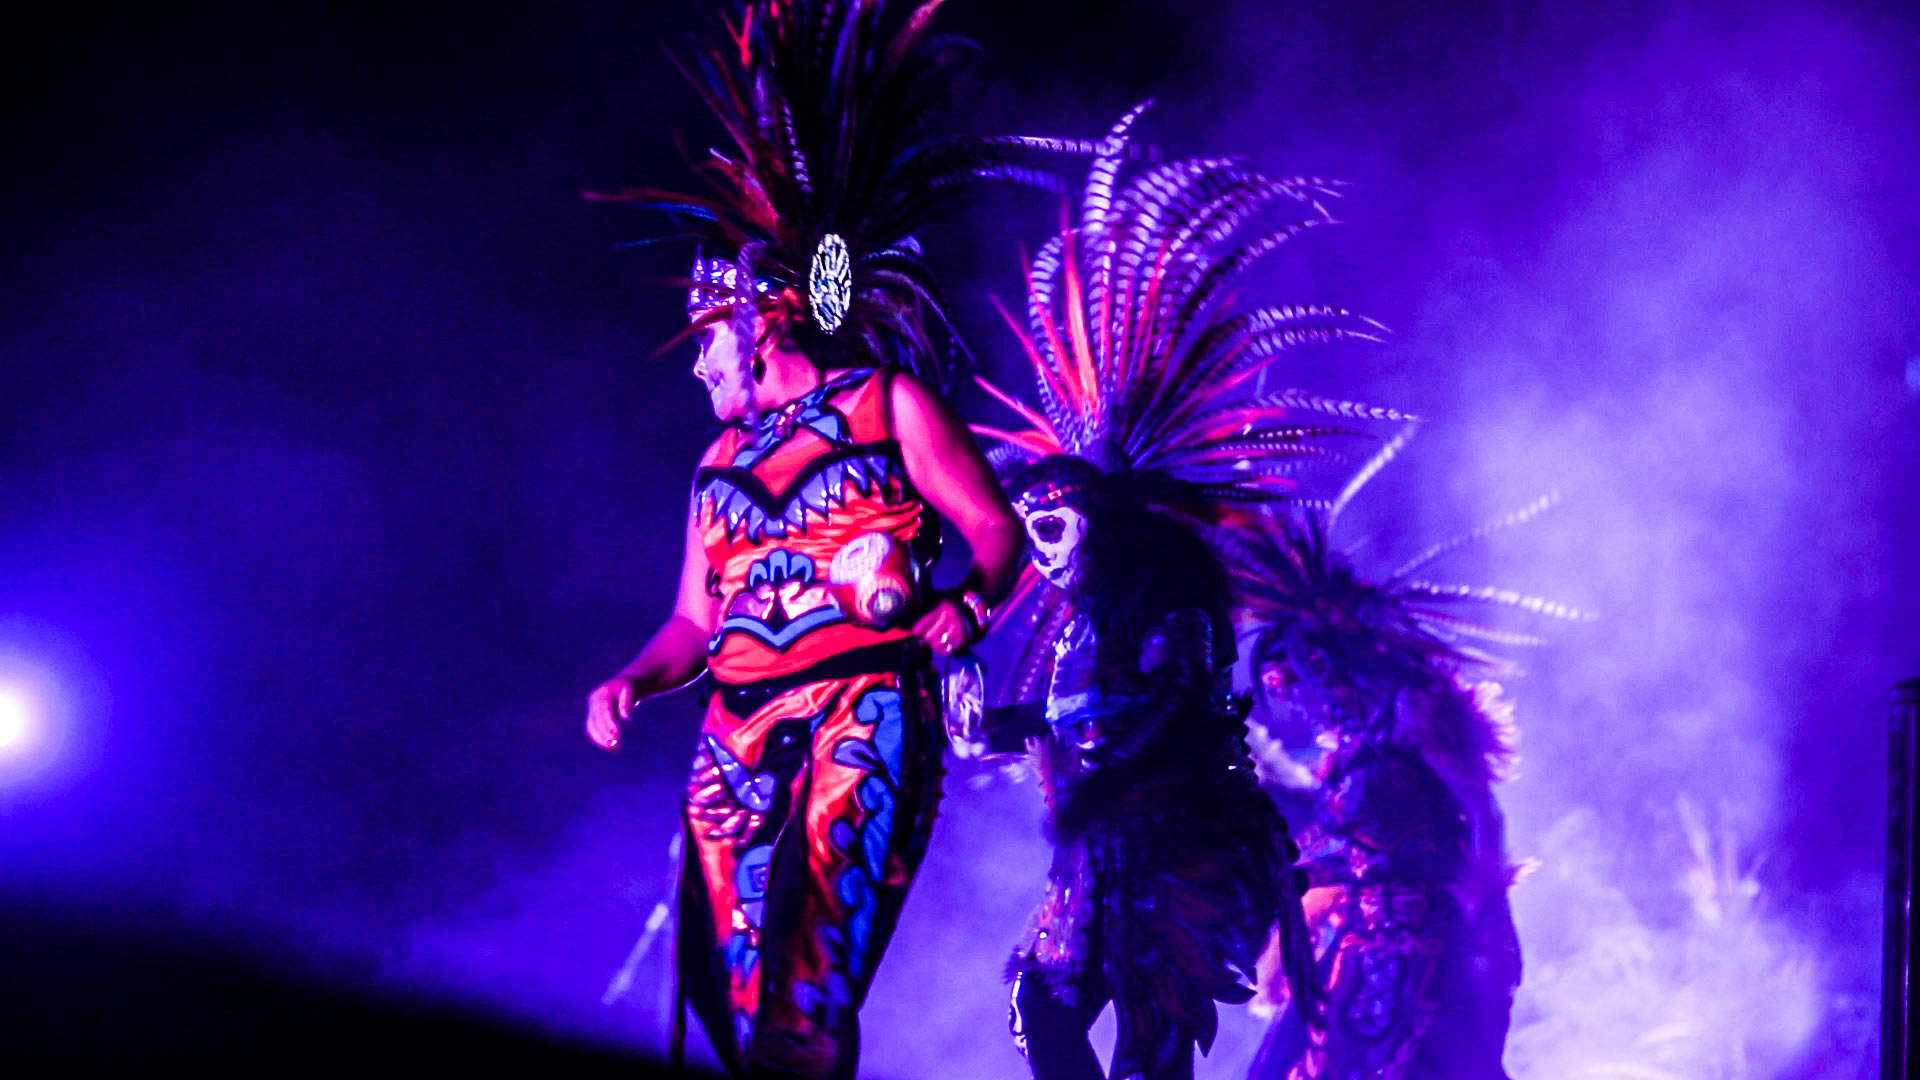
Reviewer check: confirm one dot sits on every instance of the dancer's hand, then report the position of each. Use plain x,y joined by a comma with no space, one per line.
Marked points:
1270,991
1048,759
1041,760
945,628
609,704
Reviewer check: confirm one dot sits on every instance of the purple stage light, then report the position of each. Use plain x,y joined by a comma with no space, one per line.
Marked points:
16,722
43,682
29,741
31,716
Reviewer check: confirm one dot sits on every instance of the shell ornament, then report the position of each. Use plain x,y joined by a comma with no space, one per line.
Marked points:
830,282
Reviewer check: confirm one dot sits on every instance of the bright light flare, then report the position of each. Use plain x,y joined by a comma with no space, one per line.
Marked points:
51,699
16,720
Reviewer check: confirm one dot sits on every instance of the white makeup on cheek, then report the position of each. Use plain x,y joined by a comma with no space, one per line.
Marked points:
1056,534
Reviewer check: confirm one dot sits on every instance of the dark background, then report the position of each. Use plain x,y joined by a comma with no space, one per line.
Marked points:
336,470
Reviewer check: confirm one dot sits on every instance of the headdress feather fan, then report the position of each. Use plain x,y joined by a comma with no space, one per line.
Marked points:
829,108
1144,365
1142,362
1306,605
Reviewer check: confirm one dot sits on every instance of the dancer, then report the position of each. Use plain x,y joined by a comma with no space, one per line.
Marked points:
1170,865
804,588
1405,852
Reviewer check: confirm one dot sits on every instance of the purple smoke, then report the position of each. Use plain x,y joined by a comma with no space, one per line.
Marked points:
336,461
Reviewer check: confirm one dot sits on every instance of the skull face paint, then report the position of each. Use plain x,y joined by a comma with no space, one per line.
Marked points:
1056,533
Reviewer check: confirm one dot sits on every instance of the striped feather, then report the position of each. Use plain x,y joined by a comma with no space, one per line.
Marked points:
1377,462
1494,594
1519,517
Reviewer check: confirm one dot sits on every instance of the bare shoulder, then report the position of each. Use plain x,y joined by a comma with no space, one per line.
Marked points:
916,401
907,383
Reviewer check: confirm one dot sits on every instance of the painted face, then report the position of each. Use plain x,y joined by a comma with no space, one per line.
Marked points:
1056,533
1286,713
721,367
1310,701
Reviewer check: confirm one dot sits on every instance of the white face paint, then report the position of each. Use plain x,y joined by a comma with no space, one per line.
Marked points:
1056,533
722,367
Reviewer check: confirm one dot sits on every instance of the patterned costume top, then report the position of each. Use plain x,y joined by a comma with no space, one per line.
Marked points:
787,493
1106,711
816,777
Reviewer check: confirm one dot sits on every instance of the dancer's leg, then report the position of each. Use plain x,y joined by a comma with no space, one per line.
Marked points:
1055,1033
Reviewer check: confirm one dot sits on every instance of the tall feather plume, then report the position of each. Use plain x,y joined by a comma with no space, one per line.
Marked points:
1132,375
1306,610
1380,460
1495,594
1292,585
831,110
1519,517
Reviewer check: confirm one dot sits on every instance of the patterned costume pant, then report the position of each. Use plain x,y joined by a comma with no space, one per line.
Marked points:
807,814
1416,992
1160,909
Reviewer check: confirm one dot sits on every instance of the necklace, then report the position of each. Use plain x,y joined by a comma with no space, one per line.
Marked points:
783,420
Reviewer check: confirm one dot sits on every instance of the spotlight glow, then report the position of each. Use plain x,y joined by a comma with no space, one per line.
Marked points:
51,701
16,720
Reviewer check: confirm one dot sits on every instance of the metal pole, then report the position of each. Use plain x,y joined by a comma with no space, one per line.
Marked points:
1895,1000
656,920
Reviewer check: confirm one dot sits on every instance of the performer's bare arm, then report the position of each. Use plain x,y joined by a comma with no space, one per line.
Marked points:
946,466
675,654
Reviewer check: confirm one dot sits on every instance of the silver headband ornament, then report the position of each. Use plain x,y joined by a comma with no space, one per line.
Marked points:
830,282
716,282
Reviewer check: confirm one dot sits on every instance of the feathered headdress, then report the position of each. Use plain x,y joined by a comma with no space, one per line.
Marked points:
1307,610
1144,363
1142,359
809,217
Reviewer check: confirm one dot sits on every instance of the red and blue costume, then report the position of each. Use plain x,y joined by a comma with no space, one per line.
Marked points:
817,774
